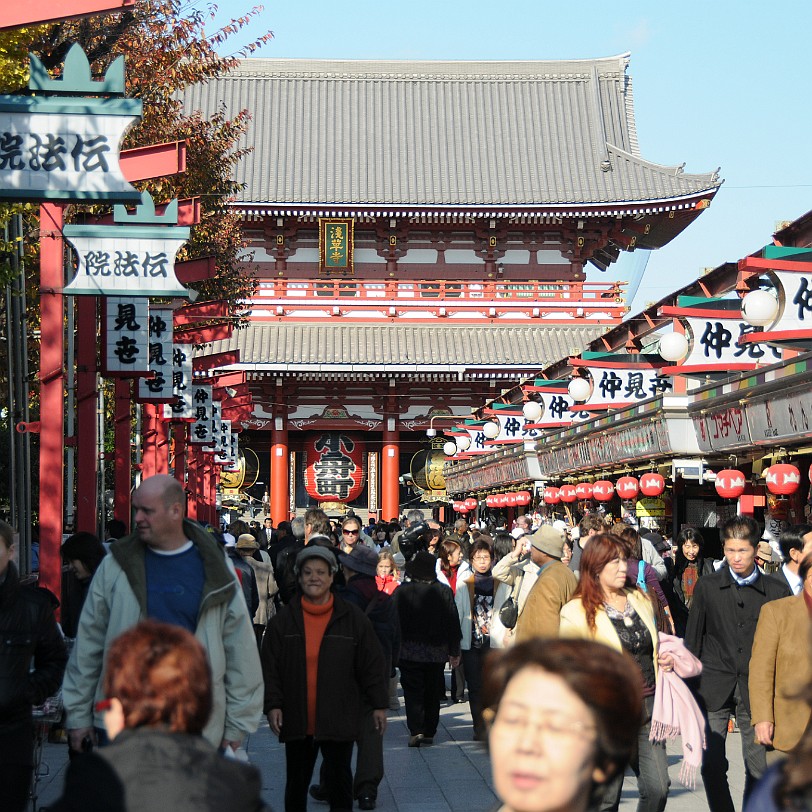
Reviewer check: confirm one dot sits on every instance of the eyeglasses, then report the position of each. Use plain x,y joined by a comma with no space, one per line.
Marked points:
483,557
557,725
349,532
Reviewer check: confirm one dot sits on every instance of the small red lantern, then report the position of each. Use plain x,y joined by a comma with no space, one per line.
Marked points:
627,487
551,496
783,479
471,503
523,498
603,490
584,490
730,483
456,506
511,500
489,501
499,500
651,484
567,493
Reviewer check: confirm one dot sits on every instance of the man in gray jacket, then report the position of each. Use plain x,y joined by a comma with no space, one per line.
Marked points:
171,570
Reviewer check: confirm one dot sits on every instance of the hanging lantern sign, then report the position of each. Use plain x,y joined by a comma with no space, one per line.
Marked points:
334,466
730,483
461,507
783,479
583,490
501,500
511,499
603,490
126,333
67,147
567,493
223,447
200,431
182,406
523,498
136,257
551,496
652,484
158,387
627,487
471,503
489,501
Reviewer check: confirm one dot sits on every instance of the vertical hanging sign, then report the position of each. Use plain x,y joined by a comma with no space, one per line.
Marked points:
336,246
200,430
181,407
158,387
126,336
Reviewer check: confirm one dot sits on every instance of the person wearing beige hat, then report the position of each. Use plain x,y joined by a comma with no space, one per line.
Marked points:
247,546
553,588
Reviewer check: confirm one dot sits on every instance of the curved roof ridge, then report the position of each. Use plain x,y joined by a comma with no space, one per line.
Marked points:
676,170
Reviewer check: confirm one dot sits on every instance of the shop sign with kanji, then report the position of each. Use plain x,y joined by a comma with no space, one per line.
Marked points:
216,427
126,336
157,388
200,430
136,257
182,406
613,387
721,429
66,147
334,466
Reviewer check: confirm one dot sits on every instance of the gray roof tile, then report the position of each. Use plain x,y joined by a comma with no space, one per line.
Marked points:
440,133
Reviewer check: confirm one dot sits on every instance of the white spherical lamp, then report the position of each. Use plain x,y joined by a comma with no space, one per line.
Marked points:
579,389
532,410
673,346
759,308
491,430
463,442
450,449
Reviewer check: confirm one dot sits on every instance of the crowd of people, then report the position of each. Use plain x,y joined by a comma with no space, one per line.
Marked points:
579,649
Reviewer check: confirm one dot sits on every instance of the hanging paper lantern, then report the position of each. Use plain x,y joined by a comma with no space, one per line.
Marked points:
651,484
511,499
499,500
551,496
783,479
603,490
335,466
523,498
567,493
456,506
730,483
489,501
471,503
583,490
627,487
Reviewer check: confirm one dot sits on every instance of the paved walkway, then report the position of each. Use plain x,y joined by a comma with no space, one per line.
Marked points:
451,776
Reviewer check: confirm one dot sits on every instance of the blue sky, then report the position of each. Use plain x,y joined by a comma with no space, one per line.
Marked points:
716,84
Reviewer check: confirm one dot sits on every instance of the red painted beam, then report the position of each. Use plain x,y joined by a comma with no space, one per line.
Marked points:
240,390
242,400
196,270
188,213
154,161
762,264
31,12
219,359
234,379
203,335
189,314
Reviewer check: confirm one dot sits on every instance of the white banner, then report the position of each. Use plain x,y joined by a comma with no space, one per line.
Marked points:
158,388
126,341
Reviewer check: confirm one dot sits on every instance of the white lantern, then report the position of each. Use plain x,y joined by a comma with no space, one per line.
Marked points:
463,442
759,308
532,410
491,430
673,346
450,449
579,389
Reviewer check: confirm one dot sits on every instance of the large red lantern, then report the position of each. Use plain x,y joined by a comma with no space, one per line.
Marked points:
551,496
603,490
652,484
783,479
523,498
510,498
583,490
471,503
627,487
730,483
334,466
567,493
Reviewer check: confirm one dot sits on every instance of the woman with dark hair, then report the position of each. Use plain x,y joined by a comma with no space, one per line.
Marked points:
475,605
690,566
451,567
563,718
159,697
81,553
607,610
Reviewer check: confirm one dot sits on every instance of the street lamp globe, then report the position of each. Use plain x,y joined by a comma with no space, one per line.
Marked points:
450,449
673,346
491,430
759,308
579,389
532,410
463,442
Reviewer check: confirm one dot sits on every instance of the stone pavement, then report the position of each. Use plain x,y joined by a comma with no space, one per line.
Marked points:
451,776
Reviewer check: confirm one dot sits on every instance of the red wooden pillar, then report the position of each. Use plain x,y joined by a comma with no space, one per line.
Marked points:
123,444
52,397
280,473
179,435
87,425
192,486
161,444
149,441
390,471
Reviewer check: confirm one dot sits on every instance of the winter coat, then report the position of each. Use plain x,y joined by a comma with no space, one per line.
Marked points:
350,672
118,601
147,768
428,619
266,587
28,634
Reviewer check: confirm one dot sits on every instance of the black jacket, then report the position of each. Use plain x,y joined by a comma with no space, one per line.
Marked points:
674,593
350,675
721,628
147,768
428,615
28,632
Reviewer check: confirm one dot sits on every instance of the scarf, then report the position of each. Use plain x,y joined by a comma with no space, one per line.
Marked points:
675,710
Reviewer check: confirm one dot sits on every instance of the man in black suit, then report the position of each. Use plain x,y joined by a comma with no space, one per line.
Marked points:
795,544
721,627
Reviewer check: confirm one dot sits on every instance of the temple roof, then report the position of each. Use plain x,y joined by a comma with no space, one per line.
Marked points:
380,134
394,348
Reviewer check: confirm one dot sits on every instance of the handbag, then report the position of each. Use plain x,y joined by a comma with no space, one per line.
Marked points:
509,610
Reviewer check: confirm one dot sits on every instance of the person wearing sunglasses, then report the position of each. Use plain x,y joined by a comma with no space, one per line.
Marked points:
351,535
